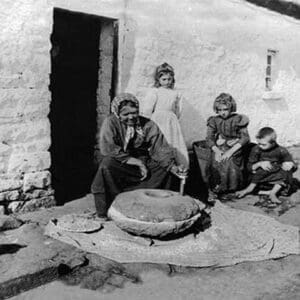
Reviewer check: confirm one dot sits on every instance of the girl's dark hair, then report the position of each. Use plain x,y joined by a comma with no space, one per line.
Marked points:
161,70
225,99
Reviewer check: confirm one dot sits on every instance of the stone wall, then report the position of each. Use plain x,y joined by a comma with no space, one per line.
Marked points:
26,26
214,45
24,105
218,46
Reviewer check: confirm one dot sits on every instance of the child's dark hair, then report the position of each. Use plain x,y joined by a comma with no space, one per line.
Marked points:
161,70
225,99
267,131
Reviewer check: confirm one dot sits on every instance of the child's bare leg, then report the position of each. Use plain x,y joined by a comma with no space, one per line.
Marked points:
249,189
264,193
273,193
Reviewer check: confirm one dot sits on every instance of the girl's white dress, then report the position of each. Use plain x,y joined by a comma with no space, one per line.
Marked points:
164,107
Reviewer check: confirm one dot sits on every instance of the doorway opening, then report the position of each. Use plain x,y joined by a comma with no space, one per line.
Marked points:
83,68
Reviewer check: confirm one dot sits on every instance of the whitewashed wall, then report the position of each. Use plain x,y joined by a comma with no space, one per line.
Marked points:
26,26
214,45
24,105
219,46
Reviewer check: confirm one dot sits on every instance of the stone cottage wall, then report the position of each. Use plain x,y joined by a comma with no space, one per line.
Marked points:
24,106
219,46
215,46
26,25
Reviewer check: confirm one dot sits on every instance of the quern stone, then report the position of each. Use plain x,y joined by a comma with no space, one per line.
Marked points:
154,213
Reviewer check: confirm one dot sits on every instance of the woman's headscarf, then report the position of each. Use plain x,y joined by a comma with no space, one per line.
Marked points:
116,103
164,68
130,130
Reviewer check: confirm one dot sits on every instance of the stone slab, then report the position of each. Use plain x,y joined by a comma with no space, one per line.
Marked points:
38,193
82,205
29,162
38,145
38,180
10,195
24,131
5,150
36,258
10,182
14,206
24,103
35,204
9,222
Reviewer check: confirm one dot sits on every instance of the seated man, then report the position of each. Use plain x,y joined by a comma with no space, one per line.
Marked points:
270,164
136,154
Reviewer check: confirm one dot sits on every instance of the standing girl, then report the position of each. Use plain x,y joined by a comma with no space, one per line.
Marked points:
227,134
163,105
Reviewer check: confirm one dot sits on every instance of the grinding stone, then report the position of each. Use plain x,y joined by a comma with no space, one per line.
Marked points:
154,213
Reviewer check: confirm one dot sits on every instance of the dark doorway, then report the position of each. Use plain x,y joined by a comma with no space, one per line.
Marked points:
74,86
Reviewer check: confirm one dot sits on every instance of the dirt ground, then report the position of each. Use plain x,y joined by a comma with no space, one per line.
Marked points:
272,279
268,280
265,280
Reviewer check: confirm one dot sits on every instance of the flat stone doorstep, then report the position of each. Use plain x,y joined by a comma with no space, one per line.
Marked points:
27,282
36,264
42,216
43,259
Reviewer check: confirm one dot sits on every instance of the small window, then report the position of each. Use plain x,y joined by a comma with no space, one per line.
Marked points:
270,60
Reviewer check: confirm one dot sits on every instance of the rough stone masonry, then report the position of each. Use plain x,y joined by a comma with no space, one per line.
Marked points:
220,46
24,106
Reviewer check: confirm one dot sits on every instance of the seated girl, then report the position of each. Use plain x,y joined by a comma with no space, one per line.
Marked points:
136,154
270,164
227,134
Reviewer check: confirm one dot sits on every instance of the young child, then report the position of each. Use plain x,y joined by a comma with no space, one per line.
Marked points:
163,105
227,134
270,164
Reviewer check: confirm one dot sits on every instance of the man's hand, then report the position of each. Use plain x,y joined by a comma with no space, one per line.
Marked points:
287,165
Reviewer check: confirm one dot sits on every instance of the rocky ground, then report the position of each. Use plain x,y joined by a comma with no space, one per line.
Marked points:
54,270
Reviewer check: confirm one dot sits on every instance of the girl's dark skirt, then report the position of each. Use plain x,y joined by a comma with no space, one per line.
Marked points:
223,177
